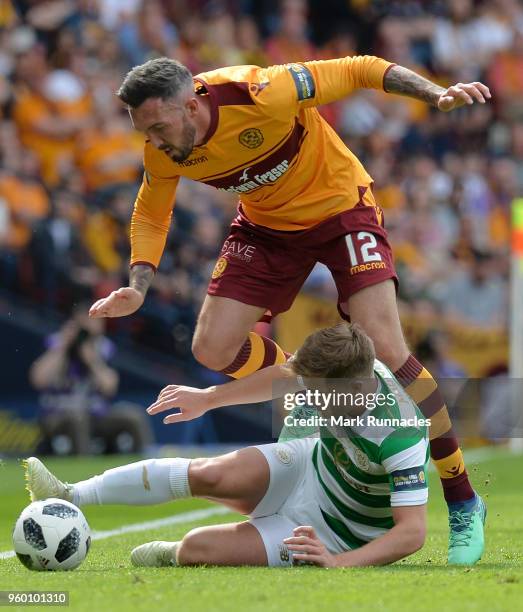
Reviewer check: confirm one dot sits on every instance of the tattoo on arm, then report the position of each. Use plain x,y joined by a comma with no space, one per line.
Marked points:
400,80
141,277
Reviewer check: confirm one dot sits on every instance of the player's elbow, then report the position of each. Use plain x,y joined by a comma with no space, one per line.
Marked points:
415,538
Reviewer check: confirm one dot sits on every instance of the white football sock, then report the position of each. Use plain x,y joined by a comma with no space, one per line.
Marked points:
152,481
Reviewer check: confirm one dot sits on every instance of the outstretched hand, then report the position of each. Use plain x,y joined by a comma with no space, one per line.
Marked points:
120,303
191,402
461,94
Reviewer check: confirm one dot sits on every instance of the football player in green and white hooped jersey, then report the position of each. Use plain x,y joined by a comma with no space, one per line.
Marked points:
364,470
354,497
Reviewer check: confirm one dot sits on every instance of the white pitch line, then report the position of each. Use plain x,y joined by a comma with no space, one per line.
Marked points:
7,554
184,517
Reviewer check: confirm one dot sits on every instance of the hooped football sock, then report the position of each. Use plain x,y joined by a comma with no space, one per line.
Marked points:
444,449
152,481
256,353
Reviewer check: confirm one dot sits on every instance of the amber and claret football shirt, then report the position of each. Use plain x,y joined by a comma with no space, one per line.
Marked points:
267,143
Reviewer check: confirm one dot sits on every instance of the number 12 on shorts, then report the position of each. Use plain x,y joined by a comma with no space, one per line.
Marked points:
365,244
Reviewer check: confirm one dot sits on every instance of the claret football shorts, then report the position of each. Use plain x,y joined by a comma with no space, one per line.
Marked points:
267,268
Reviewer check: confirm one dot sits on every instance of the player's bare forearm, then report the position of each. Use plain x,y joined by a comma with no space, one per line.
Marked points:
140,277
400,80
405,538
193,402
394,545
257,387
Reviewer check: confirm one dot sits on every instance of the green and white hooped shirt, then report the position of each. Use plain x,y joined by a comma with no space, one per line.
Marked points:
362,471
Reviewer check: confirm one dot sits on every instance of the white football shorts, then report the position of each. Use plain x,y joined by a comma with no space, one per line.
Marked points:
290,501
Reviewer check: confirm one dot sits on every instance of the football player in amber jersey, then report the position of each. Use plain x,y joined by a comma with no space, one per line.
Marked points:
303,197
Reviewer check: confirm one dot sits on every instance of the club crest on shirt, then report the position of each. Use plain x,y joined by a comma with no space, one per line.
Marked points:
219,268
251,138
284,456
361,460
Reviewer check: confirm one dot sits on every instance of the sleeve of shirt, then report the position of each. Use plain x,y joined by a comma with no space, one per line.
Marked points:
151,218
295,86
404,456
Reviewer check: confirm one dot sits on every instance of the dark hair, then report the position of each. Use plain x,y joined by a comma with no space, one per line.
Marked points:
162,78
342,351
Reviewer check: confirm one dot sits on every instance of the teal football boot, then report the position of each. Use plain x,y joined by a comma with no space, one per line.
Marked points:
466,537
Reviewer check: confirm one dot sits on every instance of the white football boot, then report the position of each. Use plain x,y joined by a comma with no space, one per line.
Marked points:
41,484
155,554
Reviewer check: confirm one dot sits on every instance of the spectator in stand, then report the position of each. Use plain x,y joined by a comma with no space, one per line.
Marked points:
504,188
148,35
218,47
505,75
464,43
106,232
476,295
27,201
50,108
108,152
61,265
76,385
516,152
291,42
249,43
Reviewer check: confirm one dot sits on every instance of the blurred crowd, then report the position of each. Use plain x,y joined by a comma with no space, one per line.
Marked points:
71,164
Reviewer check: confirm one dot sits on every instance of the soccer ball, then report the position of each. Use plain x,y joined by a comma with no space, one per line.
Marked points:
51,535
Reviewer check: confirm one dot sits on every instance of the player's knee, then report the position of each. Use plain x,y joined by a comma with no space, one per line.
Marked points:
206,475
393,354
195,548
212,356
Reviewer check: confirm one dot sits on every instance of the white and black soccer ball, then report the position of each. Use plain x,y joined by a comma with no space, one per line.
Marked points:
51,535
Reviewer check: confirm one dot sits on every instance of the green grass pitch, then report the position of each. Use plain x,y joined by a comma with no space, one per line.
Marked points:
107,581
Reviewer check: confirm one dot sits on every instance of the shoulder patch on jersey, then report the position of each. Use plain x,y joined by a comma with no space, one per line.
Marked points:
303,80
409,479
